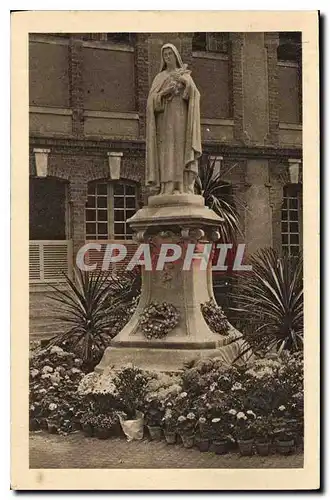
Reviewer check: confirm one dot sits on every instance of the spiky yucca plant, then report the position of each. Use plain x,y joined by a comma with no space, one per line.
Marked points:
270,301
86,307
214,189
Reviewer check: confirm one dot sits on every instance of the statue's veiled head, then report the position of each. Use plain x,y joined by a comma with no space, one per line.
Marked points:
170,57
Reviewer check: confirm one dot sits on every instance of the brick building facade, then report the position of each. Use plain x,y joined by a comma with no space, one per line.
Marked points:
88,96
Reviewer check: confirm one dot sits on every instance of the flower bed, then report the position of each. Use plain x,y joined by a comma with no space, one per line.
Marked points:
218,408
54,401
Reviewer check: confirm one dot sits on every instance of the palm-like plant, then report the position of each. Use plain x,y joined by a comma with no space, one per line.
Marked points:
270,300
214,189
86,307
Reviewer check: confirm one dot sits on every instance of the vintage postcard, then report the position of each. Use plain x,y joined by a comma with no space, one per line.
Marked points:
165,198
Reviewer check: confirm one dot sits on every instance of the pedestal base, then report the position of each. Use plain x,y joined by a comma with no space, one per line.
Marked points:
171,358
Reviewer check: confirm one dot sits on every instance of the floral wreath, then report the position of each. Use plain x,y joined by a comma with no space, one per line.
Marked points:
158,319
215,317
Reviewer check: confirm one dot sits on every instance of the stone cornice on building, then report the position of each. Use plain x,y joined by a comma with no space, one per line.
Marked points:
137,147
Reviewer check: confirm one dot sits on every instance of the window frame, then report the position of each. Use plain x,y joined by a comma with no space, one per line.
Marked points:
287,197
110,210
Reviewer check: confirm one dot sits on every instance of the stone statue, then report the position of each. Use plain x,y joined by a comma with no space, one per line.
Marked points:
173,127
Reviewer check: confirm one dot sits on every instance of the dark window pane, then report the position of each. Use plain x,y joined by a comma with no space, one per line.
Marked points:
90,228
102,228
294,215
102,237
91,188
91,236
90,202
90,215
102,215
199,41
294,250
130,202
294,227
293,203
120,237
102,189
284,239
285,203
102,202
119,202
130,213
120,215
284,215
284,227
129,230
119,228
118,189
294,239
130,189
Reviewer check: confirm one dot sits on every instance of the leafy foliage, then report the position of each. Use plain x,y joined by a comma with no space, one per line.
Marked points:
87,306
214,189
270,298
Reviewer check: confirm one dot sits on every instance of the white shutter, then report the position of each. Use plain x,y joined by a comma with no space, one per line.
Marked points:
48,260
55,261
34,262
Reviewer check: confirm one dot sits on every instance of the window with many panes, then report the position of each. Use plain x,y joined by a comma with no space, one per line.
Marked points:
108,207
291,219
211,42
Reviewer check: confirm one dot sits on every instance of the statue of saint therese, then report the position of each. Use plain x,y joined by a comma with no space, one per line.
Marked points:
173,127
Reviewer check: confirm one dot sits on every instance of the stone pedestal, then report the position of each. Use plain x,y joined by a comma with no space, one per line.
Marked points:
179,219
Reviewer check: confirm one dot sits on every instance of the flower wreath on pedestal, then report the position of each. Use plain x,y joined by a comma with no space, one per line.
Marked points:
158,319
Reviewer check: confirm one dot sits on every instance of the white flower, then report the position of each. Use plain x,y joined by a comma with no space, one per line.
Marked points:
240,415
281,408
236,387
75,370
202,420
215,420
46,375
181,418
183,395
42,391
34,372
52,406
213,386
232,412
250,412
47,369
191,416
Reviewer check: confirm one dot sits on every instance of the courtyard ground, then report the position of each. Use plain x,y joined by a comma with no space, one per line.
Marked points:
52,451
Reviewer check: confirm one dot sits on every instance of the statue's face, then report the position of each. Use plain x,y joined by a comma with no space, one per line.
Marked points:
169,57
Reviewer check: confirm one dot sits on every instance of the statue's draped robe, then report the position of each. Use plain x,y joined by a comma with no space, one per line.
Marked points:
173,131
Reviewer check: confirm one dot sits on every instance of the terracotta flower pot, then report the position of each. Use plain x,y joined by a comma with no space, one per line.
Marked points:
102,433
170,437
87,430
52,428
187,441
43,424
285,447
33,424
155,432
245,447
220,447
204,445
263,448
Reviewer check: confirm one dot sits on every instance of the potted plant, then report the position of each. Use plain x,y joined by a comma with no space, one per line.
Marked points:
262,432
86,423
102,425
284,435
169,426
154,413
204,433
220,434
186,429
244,434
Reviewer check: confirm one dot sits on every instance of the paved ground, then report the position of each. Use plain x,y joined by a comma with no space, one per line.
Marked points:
49,451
